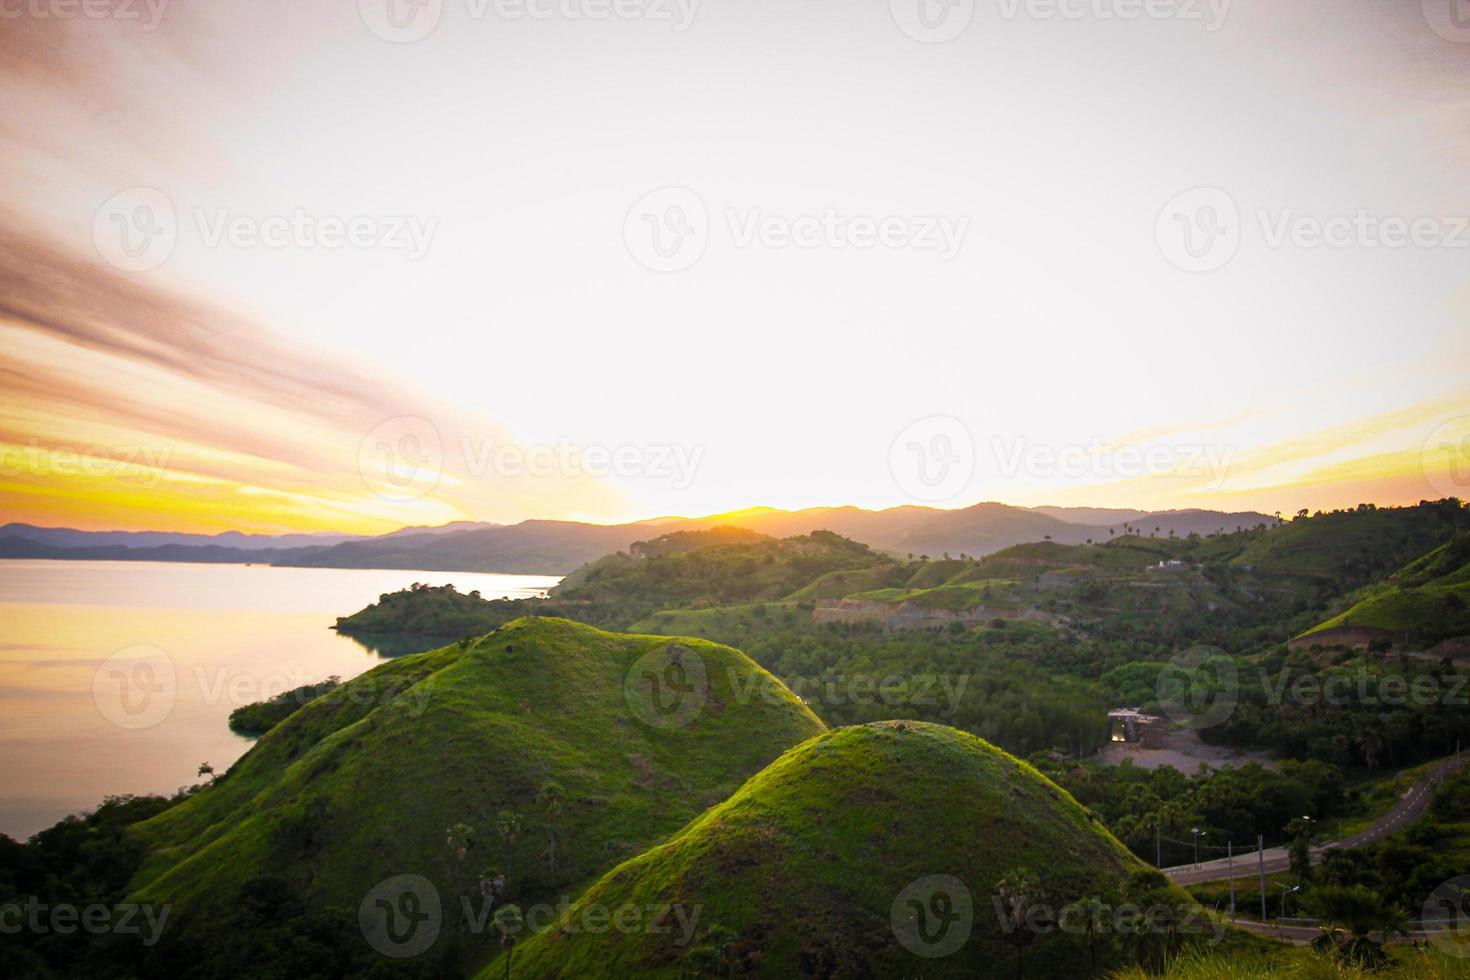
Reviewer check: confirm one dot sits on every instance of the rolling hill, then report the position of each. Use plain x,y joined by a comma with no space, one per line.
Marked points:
875,851
1426,601
411,768
717,567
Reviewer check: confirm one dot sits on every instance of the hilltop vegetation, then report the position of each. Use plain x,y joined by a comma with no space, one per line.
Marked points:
866,852
254,720
361,784
1426,601
1030,646
720,566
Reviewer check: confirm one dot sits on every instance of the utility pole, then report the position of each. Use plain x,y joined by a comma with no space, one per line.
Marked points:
1261,854
1230,871
1158,848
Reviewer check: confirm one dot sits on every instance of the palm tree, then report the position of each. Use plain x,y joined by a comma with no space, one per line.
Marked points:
509,826
1093,910
550,797
1016,890
458,839
508,922
1348,915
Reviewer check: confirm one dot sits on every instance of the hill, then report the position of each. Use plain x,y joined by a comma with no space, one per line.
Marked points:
1347,548
443,612
878,850
1426,601
739,566
359,786
527,548
66,537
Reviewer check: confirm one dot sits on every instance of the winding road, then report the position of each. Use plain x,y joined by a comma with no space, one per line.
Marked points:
1248,863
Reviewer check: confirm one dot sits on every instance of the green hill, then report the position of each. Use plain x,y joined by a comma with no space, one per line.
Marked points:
410,769
823,860
1348,548
1426,601
737,568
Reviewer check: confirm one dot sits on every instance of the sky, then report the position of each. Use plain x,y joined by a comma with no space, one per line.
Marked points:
357,265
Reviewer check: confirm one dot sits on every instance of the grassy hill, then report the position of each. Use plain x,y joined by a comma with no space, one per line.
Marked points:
427,610
1347,548
409,769
1428,600
819,863
748,568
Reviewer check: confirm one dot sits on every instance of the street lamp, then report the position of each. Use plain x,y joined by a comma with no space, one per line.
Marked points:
1197,835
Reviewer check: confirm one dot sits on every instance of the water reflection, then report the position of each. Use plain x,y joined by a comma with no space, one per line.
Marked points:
76,724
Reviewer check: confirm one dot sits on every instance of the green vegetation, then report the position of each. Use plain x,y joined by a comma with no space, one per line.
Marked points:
254,720
517,769
360,784
1234,804
1428,600
740,567
803,868
1302,964
1408,865
442,612
83,860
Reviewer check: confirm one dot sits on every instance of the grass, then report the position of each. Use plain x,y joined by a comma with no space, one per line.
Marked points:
953,596
802,868
361,784
708,622
1303,964
1425,614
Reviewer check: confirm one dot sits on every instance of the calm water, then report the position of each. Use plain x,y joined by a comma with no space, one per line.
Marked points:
119,677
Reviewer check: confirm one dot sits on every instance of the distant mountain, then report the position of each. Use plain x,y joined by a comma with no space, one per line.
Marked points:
1091,515
453,527
527,548
542,547
65,537
12,546
976,530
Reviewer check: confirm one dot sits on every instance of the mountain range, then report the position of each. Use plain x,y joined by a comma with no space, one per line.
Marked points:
546,547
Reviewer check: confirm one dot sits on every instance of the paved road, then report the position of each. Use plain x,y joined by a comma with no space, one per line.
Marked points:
1404,812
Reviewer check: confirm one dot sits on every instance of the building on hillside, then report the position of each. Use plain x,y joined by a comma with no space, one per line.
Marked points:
1133,726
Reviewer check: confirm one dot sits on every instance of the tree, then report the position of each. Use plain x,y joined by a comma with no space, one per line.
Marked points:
458,838
509,922
550,797
1017,890
1150,891
205,769
1300,851
1348,915
1093,910
510,826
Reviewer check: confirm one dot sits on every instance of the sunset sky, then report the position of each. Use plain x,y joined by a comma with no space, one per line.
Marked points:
502,341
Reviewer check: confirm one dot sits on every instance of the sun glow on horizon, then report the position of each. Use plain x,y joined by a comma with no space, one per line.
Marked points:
521,361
